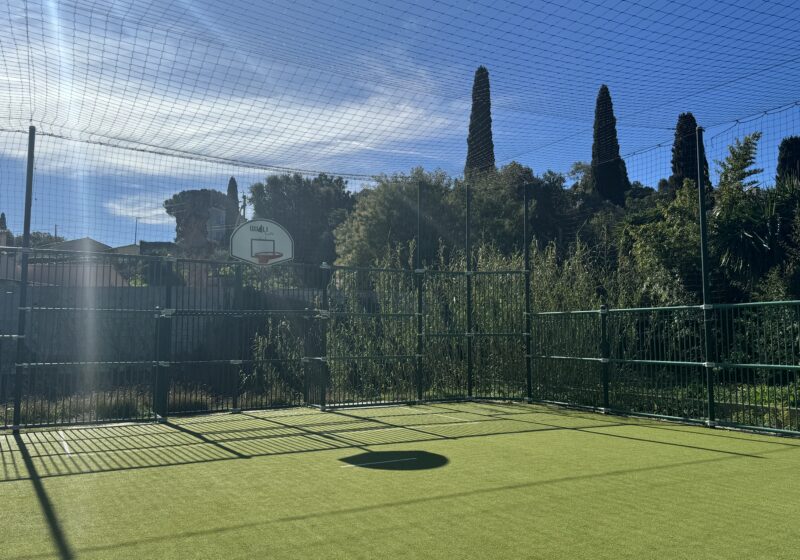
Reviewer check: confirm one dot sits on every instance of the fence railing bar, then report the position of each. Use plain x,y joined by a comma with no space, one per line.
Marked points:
656,309
332,357
756,304
575,358
655,362
89,310
88,363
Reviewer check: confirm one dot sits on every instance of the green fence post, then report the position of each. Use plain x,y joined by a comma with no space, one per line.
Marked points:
163,346
420,275
239,365
528,323
2,383
605,353
708,330
324,316
468,278
21,359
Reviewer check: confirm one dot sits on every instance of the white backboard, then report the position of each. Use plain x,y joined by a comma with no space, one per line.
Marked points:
262,242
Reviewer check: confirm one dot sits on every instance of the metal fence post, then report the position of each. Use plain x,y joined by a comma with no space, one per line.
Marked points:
420,275
238,305
22,347
163,347
3,382
324,316
605,353
708,332
528,323
468,277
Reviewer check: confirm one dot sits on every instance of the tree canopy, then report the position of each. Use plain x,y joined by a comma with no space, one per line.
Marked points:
480,147
684,153
309,208
789,160
609,176
197,213
385,217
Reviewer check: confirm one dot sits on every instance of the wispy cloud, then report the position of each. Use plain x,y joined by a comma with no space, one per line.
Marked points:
147,211
169,91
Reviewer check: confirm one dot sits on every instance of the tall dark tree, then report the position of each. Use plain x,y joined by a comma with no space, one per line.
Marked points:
789,159
609,174
3,221
480,147
684,153
231,208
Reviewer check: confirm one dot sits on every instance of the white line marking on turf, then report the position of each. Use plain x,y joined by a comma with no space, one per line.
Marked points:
64,444
451,417
378,463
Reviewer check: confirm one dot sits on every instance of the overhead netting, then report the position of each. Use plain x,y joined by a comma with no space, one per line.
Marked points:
134,101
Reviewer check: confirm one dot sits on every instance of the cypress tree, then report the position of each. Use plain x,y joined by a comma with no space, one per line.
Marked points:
684,153
480,148
231,207
789,159
609,174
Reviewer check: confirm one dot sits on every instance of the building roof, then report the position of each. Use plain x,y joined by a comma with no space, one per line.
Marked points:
132,249
86,244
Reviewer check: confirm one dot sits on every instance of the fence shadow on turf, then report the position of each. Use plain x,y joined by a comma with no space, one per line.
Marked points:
225,437
53,524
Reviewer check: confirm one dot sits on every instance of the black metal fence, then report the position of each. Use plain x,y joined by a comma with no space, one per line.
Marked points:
103,337
653,361
110,337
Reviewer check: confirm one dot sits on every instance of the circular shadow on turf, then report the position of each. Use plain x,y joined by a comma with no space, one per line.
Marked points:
396,460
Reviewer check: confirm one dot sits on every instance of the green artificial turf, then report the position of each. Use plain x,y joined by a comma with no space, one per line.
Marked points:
449,481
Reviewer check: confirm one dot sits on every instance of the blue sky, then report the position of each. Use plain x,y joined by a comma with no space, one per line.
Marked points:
363,88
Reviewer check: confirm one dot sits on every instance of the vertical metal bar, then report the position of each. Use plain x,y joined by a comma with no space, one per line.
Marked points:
324,318
605,352
528,322
708,318
419,277
3,388
238,304
163,348
22,347
468,278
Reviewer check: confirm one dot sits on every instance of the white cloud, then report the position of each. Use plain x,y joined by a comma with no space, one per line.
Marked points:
172,92
148,212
